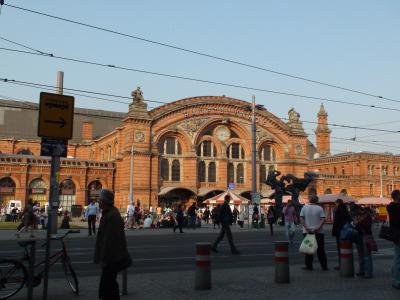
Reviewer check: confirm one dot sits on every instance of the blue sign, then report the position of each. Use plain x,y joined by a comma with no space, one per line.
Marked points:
231,186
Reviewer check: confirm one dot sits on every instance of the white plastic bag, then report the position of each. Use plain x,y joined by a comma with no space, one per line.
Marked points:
309,244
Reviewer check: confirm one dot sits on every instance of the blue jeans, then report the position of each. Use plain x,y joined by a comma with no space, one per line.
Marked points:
396,267
290,229
364,258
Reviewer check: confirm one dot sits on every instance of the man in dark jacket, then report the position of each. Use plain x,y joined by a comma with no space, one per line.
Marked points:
111,251
340,218
226,218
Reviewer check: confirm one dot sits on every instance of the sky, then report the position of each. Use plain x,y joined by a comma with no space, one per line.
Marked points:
354,44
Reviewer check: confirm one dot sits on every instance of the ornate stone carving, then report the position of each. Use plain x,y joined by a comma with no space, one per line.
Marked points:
294,122
299,149
191,126
140,136
262,135
138,108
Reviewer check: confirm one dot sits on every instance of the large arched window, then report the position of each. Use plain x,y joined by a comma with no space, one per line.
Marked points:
240,173
7,190
231,173
94,189
176,170
37,191
201,171
67,194
109,152
206,149
267,153
235,151
171,146
212,170
25,151
164,169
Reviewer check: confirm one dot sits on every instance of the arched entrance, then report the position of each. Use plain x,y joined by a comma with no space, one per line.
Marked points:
37,192
67,194
172,197
7,190
93,192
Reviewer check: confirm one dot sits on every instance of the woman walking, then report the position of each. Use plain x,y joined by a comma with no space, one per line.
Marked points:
289,214
394,222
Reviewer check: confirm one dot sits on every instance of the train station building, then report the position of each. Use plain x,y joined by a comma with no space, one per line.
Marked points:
188,149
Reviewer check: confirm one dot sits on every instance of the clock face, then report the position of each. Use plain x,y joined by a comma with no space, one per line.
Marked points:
222,133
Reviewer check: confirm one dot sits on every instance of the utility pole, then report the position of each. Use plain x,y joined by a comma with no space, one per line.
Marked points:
131,177
254,196
381,179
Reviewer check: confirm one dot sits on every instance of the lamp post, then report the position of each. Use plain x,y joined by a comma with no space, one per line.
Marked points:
131,177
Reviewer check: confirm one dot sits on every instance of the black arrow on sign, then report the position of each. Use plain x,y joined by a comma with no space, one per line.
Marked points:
62,122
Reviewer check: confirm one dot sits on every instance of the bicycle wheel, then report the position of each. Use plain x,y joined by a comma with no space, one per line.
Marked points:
13,276
70,275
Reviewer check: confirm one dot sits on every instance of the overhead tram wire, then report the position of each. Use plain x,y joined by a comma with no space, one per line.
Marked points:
201,53
199,80
40,86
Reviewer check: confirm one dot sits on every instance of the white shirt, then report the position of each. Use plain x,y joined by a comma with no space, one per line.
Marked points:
131,210
147,222
312,215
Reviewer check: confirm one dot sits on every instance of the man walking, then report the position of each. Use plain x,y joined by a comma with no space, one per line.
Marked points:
192,215
111,251
91,214
226,219
130,212
312,217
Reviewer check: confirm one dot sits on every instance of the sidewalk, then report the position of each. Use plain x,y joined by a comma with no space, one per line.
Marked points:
241,283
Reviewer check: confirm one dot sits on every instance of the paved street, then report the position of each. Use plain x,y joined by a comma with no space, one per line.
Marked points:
162,250
164,268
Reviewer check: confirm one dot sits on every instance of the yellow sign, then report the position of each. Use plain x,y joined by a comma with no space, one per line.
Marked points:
56,116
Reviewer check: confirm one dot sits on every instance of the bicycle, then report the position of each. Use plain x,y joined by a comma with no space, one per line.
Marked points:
14,274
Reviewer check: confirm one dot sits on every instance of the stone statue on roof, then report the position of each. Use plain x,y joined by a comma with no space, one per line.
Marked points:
137,95
294,122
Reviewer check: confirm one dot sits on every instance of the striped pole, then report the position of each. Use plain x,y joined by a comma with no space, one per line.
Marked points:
346,259
203,266
282,274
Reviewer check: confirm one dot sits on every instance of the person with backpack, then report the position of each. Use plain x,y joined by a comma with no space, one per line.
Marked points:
340,218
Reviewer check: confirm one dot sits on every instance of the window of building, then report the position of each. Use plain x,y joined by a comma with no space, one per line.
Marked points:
164,169
101,154
343,192
371,189
25,152
231,173
267,153
395,171
263,174
176,170
109,152
334,170
206,149
171,146
67,194
212,170
343,171
7,190
201,171
328,191
240,173
38,192
235,151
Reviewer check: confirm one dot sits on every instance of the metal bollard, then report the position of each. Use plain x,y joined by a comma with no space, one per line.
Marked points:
282,274
346,259
31,270
203,266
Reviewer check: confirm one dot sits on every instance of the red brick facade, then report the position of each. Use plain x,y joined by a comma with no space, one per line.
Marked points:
190,148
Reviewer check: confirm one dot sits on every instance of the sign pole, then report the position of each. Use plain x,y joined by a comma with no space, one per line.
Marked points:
55,127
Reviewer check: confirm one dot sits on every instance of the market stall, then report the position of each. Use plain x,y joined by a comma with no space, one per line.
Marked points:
377,204
327,202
